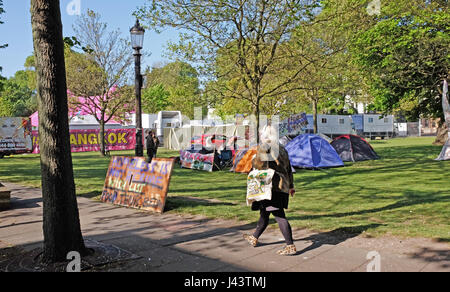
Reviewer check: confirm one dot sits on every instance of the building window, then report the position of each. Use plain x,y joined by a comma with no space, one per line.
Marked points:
341,121
386,120
370,120
324,121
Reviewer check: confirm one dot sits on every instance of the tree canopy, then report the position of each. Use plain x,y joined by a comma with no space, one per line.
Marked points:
18,94
173,86
97,77
247,35
406,51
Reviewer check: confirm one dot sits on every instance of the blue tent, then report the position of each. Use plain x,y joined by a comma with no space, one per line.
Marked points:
312,151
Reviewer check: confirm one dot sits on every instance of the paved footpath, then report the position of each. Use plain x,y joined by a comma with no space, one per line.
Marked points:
173,243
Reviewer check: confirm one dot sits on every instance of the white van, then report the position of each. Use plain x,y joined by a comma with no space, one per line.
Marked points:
15,136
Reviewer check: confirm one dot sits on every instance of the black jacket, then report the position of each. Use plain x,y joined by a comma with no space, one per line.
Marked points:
282,181
149,143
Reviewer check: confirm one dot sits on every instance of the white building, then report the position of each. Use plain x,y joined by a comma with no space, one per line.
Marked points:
159,121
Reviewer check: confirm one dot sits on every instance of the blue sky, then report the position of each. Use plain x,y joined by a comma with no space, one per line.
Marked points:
16,31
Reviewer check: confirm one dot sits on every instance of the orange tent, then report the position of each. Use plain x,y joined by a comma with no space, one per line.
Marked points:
242,161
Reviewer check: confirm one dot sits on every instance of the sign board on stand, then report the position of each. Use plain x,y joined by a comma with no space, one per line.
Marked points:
134,183
197,161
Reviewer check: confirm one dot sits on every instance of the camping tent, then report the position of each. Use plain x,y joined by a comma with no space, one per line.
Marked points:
285,140
353,148
243,160
329,140
312,151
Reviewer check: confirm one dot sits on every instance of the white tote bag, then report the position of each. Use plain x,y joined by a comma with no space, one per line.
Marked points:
259,185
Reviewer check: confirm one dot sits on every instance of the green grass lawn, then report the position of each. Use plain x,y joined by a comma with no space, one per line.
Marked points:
405,193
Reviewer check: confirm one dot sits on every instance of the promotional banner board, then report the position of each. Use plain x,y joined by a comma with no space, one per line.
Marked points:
197,161
134,183
89,140
15,136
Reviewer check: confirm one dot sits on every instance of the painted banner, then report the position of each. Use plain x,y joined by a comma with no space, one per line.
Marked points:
197,160
134,183
88,140
294,125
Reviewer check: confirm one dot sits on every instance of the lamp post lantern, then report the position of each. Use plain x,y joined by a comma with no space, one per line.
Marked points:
137,40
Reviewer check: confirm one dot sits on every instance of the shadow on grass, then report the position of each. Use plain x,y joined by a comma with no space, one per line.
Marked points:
395,160
411,200
375,142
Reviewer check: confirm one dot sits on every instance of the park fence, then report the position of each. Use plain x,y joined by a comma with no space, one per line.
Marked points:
424,127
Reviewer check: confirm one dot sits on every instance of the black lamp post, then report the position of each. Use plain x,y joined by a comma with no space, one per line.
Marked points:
137,40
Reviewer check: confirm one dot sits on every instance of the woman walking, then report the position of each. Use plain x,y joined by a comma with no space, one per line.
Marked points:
271,154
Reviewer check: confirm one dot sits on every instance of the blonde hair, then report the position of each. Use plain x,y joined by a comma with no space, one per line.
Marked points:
268,135
269,142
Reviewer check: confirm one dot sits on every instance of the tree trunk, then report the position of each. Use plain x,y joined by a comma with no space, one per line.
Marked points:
102,138
444,125
61,224
257,113
442,135
314,106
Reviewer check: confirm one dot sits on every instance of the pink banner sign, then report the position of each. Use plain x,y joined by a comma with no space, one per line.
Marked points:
88,140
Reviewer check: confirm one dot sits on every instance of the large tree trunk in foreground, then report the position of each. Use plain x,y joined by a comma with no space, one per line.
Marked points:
61,224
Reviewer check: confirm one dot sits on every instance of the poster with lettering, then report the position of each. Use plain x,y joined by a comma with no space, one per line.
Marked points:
88,140
15,135
134,183
197,161
294,125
